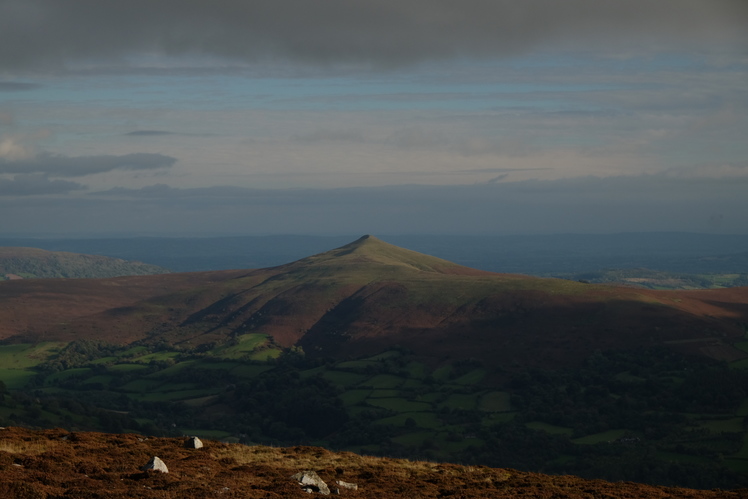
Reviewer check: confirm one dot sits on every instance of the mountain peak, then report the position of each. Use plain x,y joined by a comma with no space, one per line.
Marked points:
365,239
372,251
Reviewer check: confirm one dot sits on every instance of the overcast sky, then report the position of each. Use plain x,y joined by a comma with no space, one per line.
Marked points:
373,116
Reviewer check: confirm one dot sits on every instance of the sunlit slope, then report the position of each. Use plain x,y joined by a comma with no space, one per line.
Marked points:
370,295
368,254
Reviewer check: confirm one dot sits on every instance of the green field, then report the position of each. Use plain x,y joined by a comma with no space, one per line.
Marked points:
241,346
598,438
15,379
465,402
358,365
381,381
342,378
25,356
249,370
18,361
141,386
174,370
156,357
380,394
495,402
81,372
353,397
397,404
472,378
119,368
102,379
729,425
415,438
173,396
549,428
420,419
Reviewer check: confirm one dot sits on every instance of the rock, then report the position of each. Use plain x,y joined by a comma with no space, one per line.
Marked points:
155,464
347,485
311,482
193,443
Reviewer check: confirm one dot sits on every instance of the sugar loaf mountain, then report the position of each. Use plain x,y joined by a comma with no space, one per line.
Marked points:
381,350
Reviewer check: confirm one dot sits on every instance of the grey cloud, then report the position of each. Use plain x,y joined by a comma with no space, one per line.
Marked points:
148,133
163,191
419,138
330,136
36,184
499,170
589,204
387,32
6,119
72,166
17,86
497,178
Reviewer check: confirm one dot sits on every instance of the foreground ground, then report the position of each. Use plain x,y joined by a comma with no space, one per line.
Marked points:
58,463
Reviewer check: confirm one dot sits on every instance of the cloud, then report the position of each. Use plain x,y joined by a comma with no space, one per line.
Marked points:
718,170
148,133
36,184
6,119
383,32
17,86
329,136
579,205
79,166
13,149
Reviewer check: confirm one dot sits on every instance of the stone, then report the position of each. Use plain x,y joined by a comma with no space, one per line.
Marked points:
311,482
155,464
347,485
193,443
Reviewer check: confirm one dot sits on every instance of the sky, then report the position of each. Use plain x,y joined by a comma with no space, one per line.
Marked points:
206,117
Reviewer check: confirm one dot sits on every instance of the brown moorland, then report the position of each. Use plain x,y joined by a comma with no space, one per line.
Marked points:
368,296
56,463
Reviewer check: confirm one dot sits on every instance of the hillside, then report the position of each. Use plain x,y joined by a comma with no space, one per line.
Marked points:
657,279
57,463
26,263
368,296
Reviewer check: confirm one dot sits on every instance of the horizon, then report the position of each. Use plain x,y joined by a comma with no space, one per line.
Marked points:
223,235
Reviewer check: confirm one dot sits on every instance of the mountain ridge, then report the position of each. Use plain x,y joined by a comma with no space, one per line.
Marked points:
370,295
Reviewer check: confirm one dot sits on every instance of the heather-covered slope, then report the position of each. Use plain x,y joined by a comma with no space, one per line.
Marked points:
37,263
369,295
58,463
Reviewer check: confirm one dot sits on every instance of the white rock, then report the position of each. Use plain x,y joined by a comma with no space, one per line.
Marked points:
156,464
347,485
311,482
193,443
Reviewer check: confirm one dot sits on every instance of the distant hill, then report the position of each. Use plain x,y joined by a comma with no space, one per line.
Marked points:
369,296
57,463
29,263
657,279
552,255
